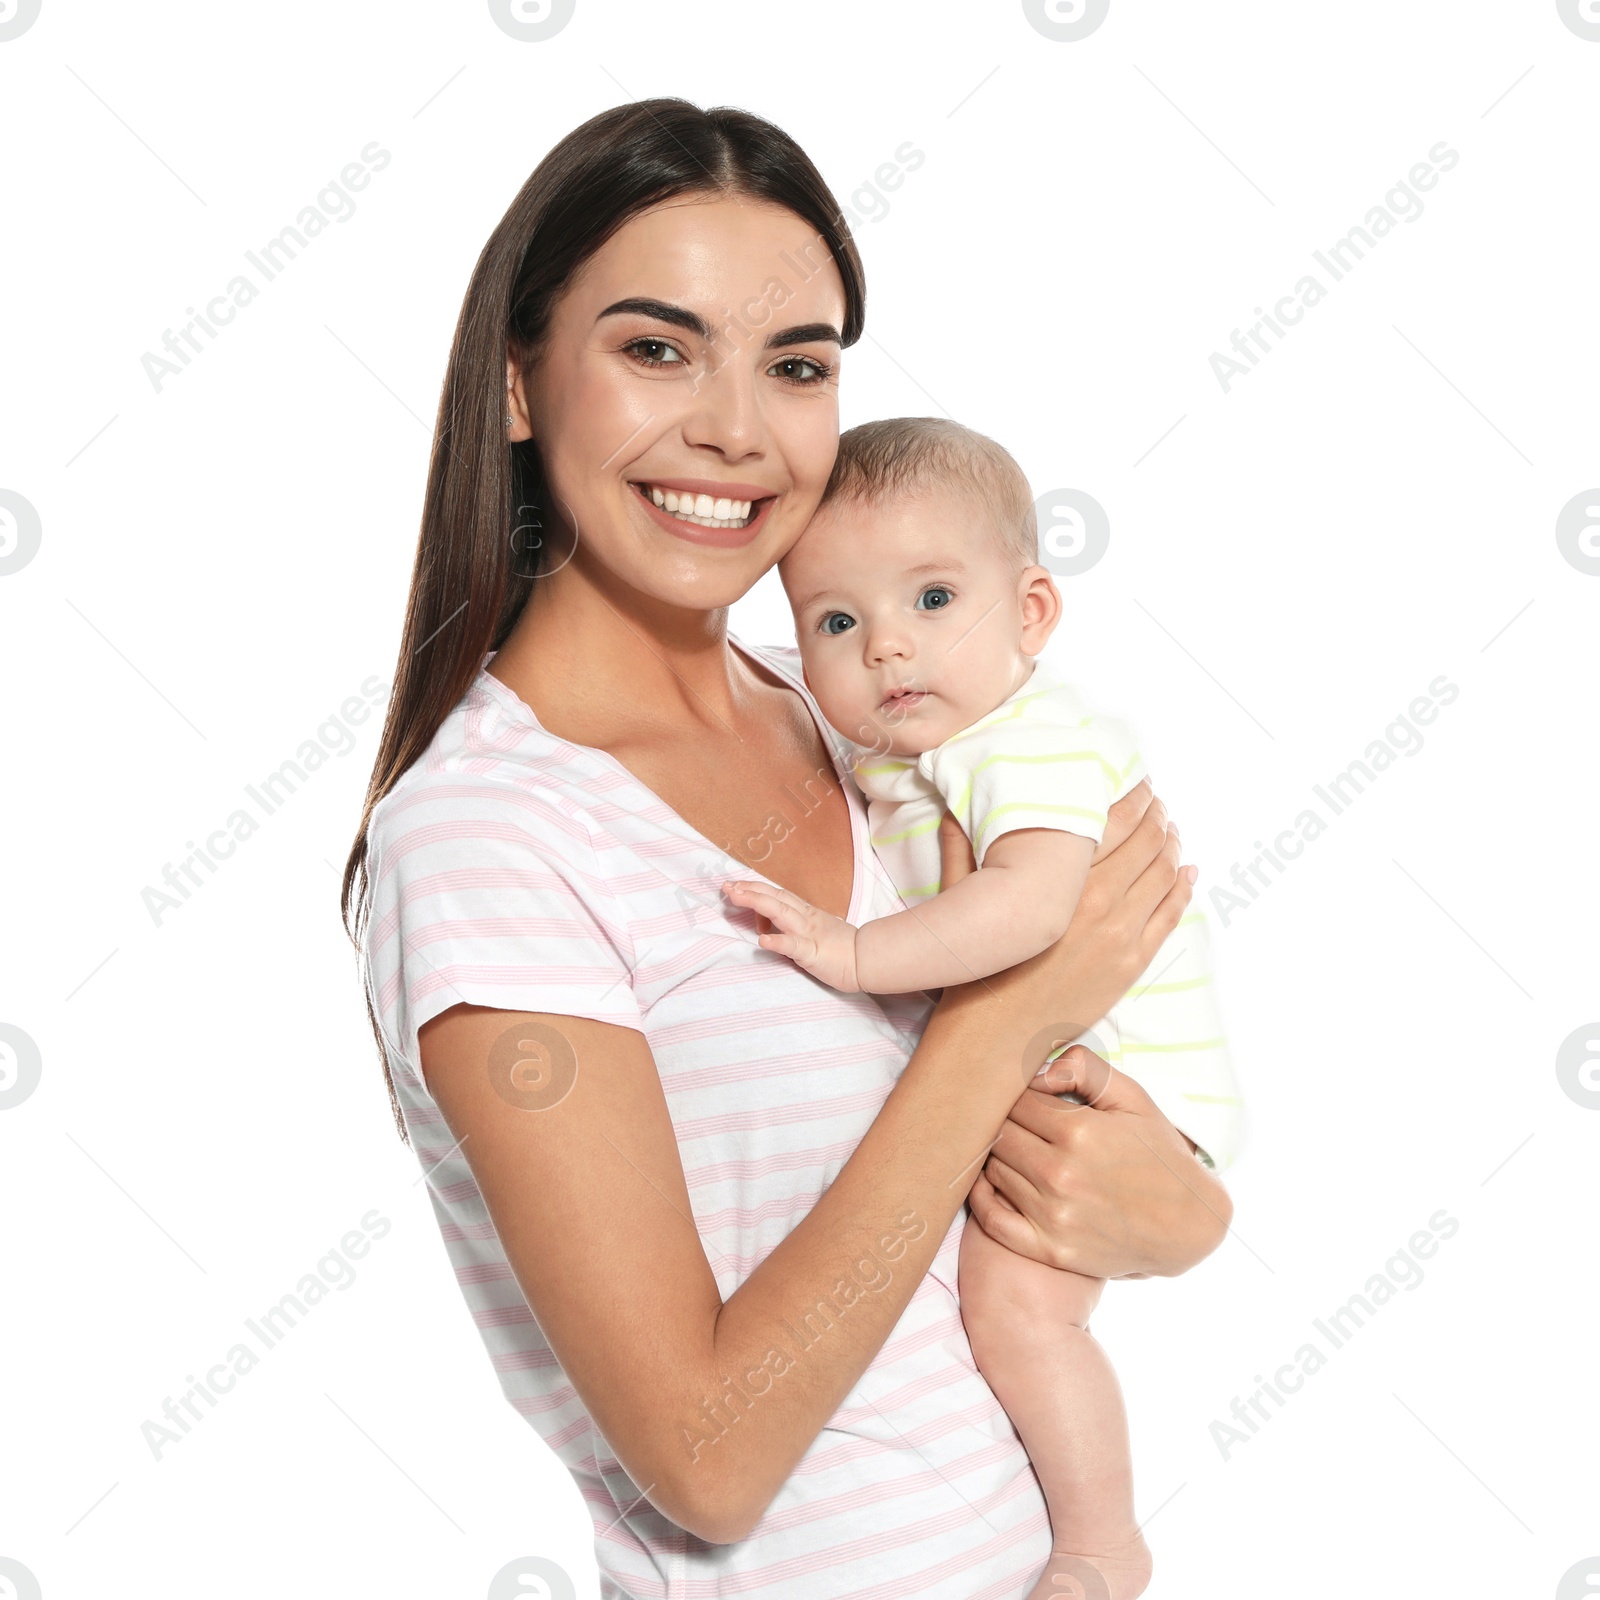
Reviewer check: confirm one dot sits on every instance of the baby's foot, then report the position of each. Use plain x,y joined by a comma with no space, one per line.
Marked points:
1122,1573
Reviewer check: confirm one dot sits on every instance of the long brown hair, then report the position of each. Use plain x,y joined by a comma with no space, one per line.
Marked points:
470,580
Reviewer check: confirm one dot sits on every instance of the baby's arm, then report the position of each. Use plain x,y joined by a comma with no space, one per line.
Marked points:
1016,904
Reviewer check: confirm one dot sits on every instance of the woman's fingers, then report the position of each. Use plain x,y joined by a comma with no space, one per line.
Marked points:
1151,889
1039,1132
1077,1071
1124,816
1169,913
1001,1201
991,1196
1012,1187
1000,1219
1135,854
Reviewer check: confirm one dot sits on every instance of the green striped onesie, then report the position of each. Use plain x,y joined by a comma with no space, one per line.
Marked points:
1042,759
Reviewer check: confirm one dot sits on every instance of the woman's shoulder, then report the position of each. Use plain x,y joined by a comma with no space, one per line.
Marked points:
784,659
491,880
492,778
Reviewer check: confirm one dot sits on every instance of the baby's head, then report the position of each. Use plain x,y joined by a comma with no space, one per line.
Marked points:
918,599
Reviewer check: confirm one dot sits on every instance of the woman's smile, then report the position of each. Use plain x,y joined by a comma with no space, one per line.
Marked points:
728,432
706,512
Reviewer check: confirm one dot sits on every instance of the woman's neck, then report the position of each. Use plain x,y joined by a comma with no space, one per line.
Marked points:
601,667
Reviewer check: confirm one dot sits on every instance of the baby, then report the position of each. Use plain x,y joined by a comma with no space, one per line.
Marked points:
920,609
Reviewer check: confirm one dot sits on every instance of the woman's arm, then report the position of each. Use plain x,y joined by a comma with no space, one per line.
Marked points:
710,1405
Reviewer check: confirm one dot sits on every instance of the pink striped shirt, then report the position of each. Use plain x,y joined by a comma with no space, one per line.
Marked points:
511,868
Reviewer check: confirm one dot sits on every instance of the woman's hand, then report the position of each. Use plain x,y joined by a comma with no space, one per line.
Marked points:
1109,1188
1134,896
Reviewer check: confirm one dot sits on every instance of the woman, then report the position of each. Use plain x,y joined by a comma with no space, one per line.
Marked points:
705,1211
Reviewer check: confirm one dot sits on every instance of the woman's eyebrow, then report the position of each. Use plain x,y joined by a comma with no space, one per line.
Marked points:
804,333
682,317
661,311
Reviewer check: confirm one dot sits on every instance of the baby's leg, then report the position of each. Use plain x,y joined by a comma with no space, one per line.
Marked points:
1029,1329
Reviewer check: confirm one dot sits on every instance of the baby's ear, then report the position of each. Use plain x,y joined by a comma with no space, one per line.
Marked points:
1040,603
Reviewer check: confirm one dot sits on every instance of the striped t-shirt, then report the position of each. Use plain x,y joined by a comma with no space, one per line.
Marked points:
511,868
1042,759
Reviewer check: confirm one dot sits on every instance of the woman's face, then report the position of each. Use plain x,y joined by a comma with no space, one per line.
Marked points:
685,401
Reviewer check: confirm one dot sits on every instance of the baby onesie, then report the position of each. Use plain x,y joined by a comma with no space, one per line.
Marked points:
1042,759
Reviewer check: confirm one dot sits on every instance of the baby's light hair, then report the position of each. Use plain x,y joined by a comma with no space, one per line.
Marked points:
878,461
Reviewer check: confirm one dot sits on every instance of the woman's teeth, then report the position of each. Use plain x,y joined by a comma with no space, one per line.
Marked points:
702,509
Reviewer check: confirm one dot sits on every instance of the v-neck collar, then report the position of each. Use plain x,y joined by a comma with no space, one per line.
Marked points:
860,866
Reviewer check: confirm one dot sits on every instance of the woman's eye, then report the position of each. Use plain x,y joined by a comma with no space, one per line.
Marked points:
934,598
655,352
801,370
836,622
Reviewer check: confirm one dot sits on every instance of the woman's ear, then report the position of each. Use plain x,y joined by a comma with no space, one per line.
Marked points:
1040,602
517,425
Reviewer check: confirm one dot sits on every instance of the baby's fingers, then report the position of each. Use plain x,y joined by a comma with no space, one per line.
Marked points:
781,909
791,945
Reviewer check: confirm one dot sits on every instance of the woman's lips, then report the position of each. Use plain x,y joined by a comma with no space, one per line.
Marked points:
695,533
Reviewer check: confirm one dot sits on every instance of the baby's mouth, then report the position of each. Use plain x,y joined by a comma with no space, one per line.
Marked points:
905,698
704,510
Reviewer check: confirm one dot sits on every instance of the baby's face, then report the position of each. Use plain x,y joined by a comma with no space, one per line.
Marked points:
912,621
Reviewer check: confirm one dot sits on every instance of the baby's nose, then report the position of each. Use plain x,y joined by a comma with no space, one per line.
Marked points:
886,634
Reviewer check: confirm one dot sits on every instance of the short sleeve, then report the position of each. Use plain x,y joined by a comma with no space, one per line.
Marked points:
485,894
1035,772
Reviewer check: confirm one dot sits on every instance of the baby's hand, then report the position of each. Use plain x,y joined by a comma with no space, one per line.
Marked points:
824,945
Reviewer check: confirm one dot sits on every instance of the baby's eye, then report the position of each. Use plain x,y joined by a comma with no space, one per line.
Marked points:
836,622
934,598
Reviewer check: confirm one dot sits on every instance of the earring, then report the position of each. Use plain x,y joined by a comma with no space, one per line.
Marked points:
510,420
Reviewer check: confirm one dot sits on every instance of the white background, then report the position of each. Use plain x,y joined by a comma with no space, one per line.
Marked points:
225,561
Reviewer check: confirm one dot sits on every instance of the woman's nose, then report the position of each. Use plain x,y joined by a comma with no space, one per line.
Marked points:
724,409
